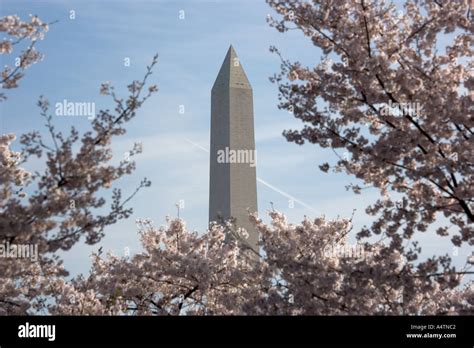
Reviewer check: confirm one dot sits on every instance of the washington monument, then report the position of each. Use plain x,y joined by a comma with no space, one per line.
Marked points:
233,178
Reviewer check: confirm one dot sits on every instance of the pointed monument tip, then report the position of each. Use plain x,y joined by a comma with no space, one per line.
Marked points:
231,72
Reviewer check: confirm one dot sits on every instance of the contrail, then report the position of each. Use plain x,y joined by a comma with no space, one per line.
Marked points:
197,145
287,195
270,186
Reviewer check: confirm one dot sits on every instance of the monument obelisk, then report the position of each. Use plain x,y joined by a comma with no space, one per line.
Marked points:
233,183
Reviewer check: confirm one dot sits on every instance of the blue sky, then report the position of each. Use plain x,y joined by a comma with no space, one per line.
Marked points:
82,53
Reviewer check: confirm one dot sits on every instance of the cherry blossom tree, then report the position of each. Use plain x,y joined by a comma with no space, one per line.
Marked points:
54,207
392,96
181,272
18,32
